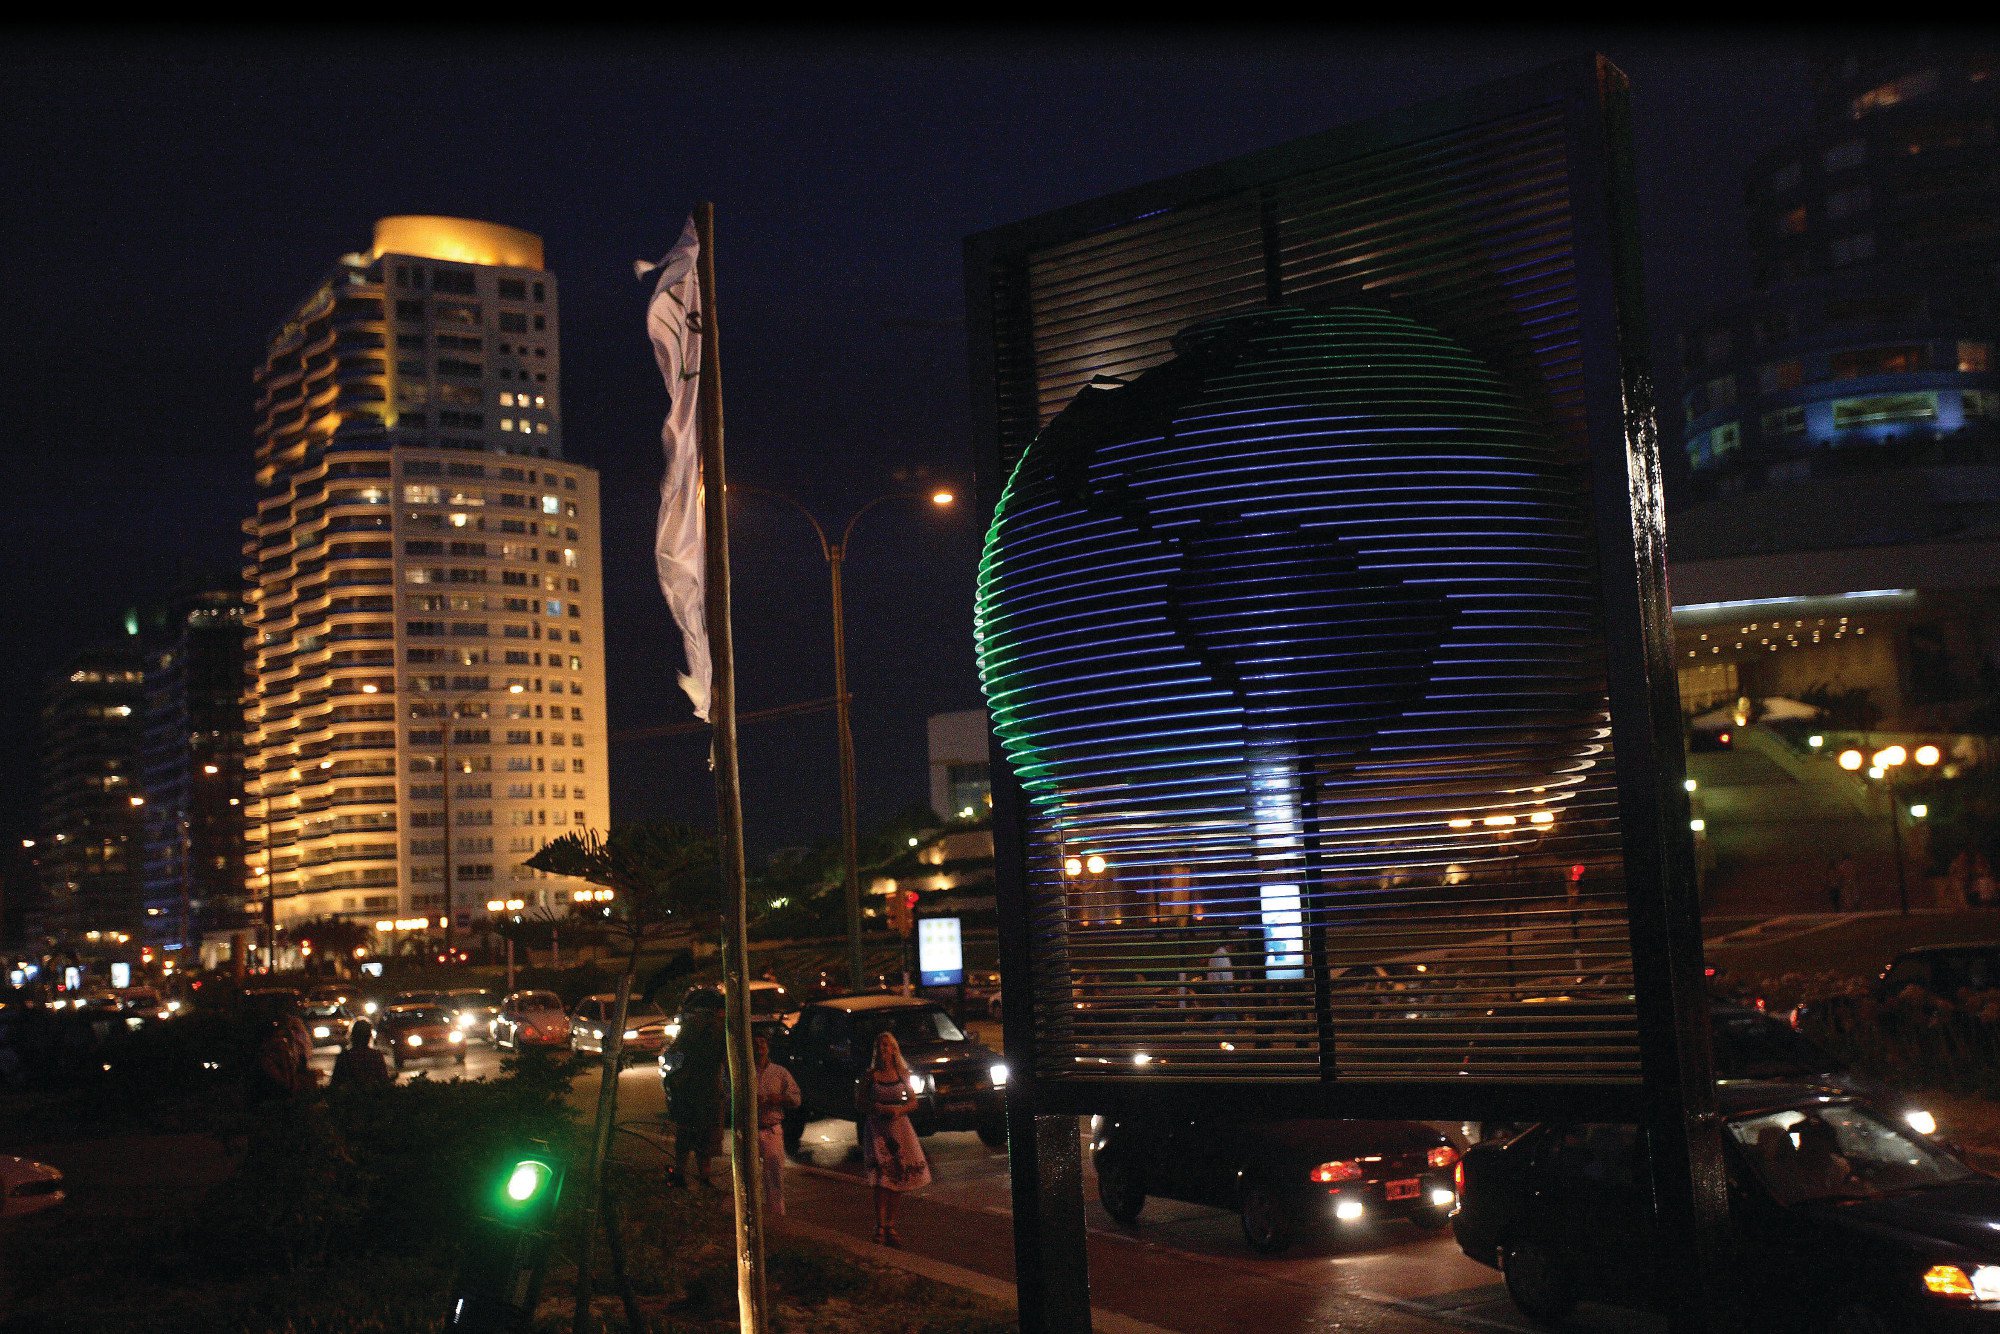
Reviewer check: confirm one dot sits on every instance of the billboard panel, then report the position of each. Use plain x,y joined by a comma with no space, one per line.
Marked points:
1322,623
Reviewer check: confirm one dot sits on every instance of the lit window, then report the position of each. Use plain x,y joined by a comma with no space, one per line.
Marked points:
506,400
506,423
1785,421
1777,376
551,505
541,401
1878,408
1725,439
1974,356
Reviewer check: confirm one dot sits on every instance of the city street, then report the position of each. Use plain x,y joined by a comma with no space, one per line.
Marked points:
1392,1279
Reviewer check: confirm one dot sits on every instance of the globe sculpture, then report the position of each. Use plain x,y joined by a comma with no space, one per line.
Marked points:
1292,645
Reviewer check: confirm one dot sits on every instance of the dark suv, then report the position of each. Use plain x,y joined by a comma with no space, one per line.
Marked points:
960,1083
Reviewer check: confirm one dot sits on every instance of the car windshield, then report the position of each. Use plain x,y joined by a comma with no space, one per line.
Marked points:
1754,1047
768,1000
421,1014
539,1000
643,1012
322,1012
1839,1150
913,1028
471,998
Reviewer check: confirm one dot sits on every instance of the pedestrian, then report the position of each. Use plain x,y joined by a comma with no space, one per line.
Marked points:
777,1093
697,1095
890,1150
360,1066
276,1074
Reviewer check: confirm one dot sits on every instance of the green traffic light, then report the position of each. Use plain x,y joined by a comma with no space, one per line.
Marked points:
527,1180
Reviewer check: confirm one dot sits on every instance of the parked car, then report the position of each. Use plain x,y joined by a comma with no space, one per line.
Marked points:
1285,1179
419,1033
28,1187
1942,971
1840,1219
645,1028
328,1024
960,1083
529,1019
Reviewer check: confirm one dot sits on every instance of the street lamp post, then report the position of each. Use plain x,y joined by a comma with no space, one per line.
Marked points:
1883,766
835,553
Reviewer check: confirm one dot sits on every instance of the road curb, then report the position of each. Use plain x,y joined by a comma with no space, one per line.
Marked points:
942,1271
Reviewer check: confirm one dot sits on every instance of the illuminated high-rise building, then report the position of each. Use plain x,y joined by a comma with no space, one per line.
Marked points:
425,602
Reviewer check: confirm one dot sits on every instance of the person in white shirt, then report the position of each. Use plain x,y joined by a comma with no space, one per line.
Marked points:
777,1093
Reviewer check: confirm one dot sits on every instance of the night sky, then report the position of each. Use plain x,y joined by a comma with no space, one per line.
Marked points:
168,203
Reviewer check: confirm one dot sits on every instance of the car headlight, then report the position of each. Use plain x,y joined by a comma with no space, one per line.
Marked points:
672,1031
597,1033
631,1033
465,1021
369,1007
1981,1285
998,1072
1921,1121
416,1039
455,1036
916,1083
322,1031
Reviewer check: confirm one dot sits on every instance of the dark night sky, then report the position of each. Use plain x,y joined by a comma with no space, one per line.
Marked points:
168,202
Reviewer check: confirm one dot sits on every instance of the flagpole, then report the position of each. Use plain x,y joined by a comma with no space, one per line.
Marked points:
744,1161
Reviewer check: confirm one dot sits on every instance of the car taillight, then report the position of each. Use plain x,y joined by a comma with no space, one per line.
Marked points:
1458,1178
1328,1173
527,1031
1443,1156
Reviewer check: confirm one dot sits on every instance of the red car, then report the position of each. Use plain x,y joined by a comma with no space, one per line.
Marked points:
419,1033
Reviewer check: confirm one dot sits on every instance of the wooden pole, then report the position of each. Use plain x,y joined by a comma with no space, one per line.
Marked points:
744,1161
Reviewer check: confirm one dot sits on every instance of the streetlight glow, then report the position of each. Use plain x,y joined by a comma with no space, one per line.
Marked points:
1850,760
1891,756
1919,811
1072,866
1928,755
942,498
1094,864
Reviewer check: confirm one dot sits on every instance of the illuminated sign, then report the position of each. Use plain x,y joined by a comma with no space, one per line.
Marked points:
940,952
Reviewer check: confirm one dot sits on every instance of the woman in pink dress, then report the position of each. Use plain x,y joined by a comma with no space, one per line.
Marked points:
889,1145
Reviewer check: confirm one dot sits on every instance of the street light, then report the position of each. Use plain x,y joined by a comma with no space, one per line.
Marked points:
1885,763
835,553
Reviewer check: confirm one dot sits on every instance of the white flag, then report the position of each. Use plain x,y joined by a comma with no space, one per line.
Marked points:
673,322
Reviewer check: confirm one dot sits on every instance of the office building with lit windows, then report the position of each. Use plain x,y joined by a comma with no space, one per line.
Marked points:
1841,532
90,830
192,775
425,603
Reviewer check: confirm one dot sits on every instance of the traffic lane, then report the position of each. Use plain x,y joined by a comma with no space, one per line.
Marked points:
1156,1284
1385,1261
482,1061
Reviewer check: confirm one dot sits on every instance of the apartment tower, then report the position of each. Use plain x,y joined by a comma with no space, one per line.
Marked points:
425,601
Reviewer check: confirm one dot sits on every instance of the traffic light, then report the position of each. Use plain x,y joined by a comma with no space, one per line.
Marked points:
507,1250
902,910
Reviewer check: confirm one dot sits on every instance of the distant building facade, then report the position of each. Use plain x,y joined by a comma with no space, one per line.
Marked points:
1842,421
425,604
192,774
961,776
91,832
